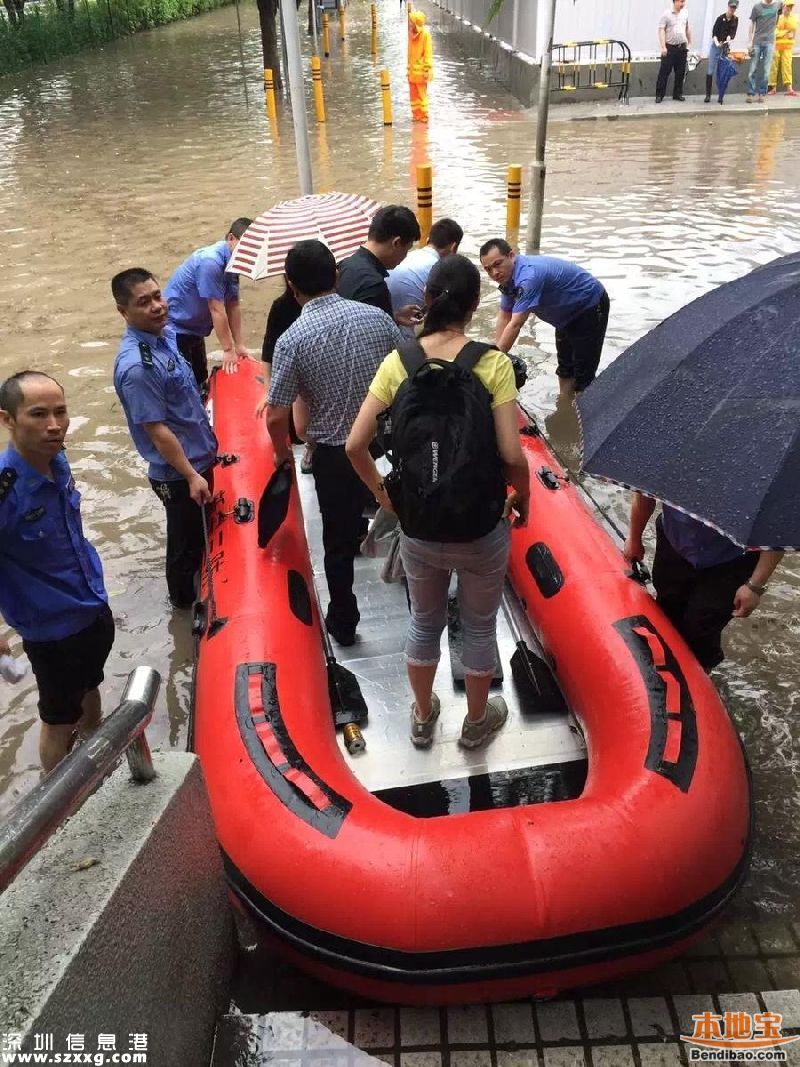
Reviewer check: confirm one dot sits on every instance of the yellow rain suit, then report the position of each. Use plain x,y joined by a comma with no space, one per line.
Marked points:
785,37
420,65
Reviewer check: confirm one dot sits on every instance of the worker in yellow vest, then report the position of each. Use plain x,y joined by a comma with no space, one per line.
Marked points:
785,35
420,65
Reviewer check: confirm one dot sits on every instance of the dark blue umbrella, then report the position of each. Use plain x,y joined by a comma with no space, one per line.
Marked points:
726,69
704,411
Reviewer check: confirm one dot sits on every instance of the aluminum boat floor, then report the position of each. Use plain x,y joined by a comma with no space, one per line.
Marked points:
391,762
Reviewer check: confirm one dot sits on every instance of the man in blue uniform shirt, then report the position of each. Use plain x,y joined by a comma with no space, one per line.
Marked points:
203,296
51,580
167,421
558,292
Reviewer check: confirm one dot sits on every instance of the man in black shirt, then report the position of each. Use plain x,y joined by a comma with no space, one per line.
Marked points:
724,31
362,276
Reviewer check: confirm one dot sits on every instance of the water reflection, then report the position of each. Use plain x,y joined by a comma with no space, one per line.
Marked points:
141,151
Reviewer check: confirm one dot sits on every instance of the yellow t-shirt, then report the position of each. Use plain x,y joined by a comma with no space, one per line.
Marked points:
494,369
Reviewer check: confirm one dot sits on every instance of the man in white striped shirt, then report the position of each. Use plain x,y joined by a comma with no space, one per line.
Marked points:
675,37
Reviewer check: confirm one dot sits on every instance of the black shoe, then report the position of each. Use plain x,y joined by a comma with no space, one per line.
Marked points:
342,635
659,99
720,101
680,99
707,100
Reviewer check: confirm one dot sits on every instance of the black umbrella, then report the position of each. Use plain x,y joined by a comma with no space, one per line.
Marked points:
704,411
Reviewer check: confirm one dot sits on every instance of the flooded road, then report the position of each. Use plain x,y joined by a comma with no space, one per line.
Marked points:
135,154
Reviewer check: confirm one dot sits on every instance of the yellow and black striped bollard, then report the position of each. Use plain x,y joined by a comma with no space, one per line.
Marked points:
424,200
513,196
341,24
316,83
374,17
386,96
326,34
269,90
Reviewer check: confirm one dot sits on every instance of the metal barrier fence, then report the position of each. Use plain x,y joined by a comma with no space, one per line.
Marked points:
61,793
576,65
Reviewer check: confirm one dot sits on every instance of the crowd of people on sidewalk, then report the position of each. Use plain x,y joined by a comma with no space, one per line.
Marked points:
771,42
382,331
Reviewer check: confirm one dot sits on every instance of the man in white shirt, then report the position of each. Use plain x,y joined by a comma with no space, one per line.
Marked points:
407,281
675,37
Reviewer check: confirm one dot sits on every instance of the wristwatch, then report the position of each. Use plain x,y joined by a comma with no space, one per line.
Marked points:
759,589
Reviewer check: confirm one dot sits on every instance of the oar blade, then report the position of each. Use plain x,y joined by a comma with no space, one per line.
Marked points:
347,700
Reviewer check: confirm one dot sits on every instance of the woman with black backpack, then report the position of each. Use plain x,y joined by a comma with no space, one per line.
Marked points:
454,447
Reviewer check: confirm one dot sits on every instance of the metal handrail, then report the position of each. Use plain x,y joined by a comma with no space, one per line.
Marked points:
39,814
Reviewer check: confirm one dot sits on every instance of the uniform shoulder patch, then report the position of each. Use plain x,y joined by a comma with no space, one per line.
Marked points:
7,478
146,353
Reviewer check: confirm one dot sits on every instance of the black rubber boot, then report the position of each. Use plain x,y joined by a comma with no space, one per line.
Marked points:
709,82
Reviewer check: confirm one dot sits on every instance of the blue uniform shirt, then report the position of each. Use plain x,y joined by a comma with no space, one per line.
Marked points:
555,289
200,278
699,544
155,384
51,579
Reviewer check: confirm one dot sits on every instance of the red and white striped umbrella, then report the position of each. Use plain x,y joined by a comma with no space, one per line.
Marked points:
339,220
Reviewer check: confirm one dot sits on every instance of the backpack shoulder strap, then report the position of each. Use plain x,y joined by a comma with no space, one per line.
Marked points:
471,353
412,356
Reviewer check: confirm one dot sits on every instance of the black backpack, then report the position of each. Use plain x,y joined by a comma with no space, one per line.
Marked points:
448,481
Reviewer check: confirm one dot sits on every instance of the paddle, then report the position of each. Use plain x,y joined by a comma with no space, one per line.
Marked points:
274,504
538,688
347,702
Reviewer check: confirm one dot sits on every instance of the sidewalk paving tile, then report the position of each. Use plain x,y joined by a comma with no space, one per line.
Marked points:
604,1018
739,1002
660,1055
747,975
572,1056
374,1028
775,939
421,1059
420,1026
558,1021
687,1006
521,1058
787,1002
467,1025
650,1016
513,1023
613,1056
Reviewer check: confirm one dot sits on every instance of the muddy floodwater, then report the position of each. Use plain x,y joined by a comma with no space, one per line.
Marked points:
135,154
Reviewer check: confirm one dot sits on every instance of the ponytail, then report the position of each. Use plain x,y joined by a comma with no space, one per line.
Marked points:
453,288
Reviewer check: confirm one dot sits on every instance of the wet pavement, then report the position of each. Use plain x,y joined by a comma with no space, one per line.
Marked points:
640,107
139,152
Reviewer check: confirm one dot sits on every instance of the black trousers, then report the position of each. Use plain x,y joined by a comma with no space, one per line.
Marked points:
698,602
674,60
580,344
342,497
193,350
184,538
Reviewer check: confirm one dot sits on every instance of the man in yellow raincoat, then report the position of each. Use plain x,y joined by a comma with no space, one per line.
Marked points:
420,65
785,35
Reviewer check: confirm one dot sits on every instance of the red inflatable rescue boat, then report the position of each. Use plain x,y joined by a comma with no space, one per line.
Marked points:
597,834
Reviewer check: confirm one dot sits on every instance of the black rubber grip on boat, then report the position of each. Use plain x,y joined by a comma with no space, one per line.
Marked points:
543,566
664,679
285,773
299,597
